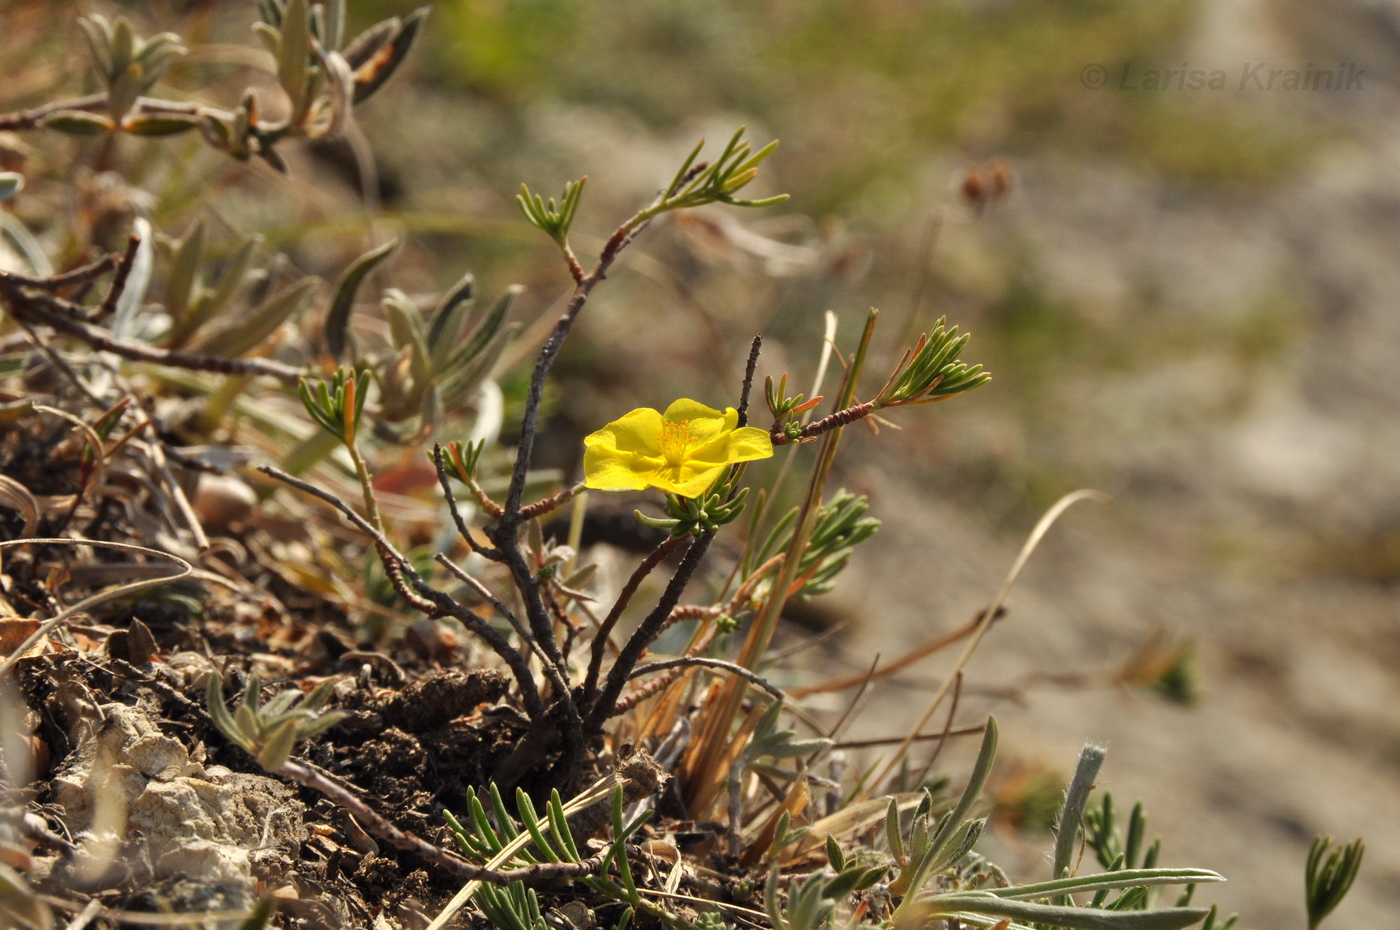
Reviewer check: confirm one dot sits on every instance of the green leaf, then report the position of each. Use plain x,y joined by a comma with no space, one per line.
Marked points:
457,386
98,34
277,748
334,35
1072,811
448,319
186,262
1074,918
338,317
406,329
293,54
160,124
10,184
77,123
380,66
210,304
260,917
1123,878
236,338
363,47
485,332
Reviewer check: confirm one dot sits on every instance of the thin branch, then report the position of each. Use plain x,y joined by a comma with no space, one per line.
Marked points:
754,348
441,603
23,120
947,729
485,552
439,857
624,597
81,275
54,313
824,425
646,632
922,737
642,692
541,507
114,293
702,661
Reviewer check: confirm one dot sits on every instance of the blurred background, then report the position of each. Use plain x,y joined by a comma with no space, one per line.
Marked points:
1189,298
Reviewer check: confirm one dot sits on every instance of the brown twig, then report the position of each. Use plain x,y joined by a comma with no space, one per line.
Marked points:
754,348
922,737
485,552
624,597
660,682
705,662
80,275
114,293
824,425
23,120
645,634
947,729
442,605
541,507
57,314
441,858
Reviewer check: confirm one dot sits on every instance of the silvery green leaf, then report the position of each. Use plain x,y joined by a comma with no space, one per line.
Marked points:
1122,878
485,331
1072,918
268,36
236,338
455,388
271,12
1072,810
277,748
322,722
338,317
892,835
126,86
293,54
448,318
138,281
364,45
186,262
209,304
334,13
406,329
78,123
123,46
373,74
99,39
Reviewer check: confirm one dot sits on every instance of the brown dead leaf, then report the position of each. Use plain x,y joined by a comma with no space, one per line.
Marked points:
14,631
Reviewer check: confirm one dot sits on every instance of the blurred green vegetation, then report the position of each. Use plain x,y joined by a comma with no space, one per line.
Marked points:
860,91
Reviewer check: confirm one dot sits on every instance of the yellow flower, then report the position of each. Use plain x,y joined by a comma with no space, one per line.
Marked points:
681,451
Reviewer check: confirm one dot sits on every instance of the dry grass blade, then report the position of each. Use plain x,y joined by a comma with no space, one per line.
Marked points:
16,496
122,590
892,666
1032,542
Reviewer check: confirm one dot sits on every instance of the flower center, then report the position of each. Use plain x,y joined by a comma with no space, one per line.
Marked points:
675,441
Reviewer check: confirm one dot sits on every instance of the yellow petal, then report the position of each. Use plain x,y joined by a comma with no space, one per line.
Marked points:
701,424
748,443
693,480
636,432
606,469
